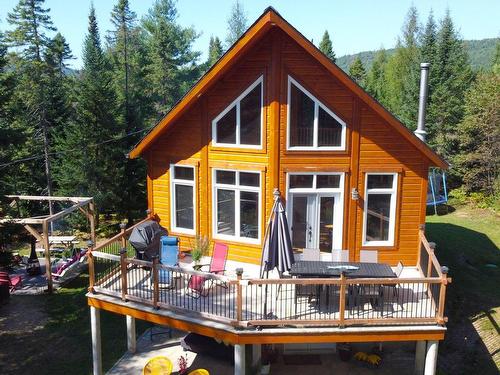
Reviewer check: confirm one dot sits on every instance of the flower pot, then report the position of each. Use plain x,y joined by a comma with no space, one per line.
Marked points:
345,352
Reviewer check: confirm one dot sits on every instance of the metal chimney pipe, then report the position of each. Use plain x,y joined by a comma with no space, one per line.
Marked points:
422,102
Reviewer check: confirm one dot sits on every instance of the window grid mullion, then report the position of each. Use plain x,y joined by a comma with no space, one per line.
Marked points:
237,213
315,124
238,119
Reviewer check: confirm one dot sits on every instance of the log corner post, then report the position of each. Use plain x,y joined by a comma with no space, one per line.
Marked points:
123,266
90,247
442,295
239,295
342,300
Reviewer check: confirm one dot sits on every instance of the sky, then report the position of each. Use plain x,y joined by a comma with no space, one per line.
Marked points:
354,26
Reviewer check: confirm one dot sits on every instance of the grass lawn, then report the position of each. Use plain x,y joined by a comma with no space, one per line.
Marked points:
51,334
468,242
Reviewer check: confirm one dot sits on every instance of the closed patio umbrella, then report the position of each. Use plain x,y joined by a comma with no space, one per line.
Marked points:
277,252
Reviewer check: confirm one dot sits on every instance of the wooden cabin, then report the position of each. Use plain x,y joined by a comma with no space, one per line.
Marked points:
274,112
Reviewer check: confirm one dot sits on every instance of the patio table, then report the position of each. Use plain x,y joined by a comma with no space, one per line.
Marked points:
320,269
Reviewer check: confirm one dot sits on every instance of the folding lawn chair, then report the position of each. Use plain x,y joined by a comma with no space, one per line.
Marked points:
169,256
196,284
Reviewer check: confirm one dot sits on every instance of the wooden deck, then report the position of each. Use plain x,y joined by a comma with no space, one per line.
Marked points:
241,299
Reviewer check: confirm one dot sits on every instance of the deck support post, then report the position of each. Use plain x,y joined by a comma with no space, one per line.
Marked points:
95,327
420,357
239,359
431,358
131,335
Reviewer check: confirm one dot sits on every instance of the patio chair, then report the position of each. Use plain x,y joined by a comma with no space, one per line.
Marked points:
308,290
169,256
196,284
14,281
158,365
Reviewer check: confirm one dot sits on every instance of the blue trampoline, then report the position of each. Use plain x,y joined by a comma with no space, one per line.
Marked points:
436,188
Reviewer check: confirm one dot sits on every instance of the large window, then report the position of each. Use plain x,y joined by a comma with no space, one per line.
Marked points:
182,195
311,125
240,124
236,205
380,209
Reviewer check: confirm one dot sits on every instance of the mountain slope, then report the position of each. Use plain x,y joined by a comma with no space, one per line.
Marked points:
480,55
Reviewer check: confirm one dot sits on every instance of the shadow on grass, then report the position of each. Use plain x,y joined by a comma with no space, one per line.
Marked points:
474,292
57,338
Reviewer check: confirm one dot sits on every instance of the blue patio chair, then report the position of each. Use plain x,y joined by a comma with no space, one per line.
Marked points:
169,256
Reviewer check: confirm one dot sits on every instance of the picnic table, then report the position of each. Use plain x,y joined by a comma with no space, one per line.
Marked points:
67,242
319,269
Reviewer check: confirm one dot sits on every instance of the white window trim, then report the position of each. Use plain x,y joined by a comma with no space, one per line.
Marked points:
237,188
392,218
317,104
173,182
236,103
339,210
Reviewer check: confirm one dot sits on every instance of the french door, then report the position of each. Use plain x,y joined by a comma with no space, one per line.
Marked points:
316,222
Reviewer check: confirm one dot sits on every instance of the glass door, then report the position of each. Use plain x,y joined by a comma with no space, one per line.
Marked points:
325,230
313,221
303,223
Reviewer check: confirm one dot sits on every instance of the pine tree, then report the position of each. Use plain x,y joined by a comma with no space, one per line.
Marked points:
10,139
172,68
357,71
403,72
215,51
375,82
57,84
478,162
30,23
86,166
127,53
453,76
237,23
326,47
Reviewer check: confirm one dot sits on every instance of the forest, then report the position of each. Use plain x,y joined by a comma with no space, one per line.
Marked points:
68,132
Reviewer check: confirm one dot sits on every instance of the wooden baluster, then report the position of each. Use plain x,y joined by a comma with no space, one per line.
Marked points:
239,295
432,246
442,295
342,299
156,281
123,265
90,256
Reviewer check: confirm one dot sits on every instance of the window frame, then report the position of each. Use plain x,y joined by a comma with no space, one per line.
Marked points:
392,218
237,214
236,103
317,105
173,182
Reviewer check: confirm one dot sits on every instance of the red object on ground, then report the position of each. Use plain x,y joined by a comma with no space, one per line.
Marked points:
14,281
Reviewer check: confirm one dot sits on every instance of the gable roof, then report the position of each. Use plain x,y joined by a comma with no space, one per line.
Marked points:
269,19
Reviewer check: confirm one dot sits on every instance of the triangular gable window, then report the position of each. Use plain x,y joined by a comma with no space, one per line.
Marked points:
311,125
240,124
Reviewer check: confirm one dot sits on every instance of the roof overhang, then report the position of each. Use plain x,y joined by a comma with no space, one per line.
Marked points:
269,19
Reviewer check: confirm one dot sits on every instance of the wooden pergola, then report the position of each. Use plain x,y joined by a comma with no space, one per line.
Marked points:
83,204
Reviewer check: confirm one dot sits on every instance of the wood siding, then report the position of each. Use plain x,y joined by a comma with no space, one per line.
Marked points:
371,145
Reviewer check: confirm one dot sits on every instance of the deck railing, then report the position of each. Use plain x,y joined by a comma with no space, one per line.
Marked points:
247,302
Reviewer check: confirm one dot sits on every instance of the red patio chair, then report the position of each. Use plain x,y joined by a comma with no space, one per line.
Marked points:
14,281
196,284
